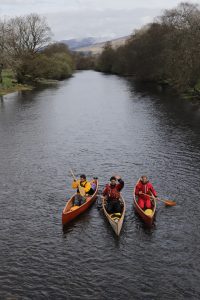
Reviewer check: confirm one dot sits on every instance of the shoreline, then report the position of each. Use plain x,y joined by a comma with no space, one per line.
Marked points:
191,94
26,87
14,89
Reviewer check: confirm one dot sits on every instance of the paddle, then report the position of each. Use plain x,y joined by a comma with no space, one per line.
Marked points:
81,188
167,202
99,202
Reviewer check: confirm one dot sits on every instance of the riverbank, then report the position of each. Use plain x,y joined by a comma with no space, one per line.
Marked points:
191,94
10,85
15,88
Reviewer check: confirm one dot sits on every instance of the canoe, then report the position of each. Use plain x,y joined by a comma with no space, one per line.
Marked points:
70,212
147,218
115,221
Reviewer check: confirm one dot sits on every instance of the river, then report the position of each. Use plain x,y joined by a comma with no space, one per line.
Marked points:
99,125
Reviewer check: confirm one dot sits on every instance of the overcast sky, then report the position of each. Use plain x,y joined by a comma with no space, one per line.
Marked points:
90,18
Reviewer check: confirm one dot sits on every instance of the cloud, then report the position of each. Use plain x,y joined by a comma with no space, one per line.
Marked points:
107,23
82,18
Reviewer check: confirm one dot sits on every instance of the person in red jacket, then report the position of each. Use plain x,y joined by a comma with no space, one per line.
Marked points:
145,187
112,194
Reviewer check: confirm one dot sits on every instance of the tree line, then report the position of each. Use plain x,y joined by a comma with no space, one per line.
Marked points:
26,48
165,51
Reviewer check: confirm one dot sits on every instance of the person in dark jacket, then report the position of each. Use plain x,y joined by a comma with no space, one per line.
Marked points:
112,194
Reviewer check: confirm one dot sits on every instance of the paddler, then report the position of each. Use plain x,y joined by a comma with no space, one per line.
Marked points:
144,188
83,190
112,194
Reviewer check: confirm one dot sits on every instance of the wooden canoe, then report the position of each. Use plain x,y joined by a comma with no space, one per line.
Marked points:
68,215
116,223
148,219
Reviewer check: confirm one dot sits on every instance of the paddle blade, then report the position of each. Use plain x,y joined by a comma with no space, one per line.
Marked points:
167,202
82,191
170,203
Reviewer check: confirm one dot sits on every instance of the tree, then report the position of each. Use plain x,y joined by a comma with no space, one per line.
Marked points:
3,52
25,40
27,35
84,61
106,59
167,50
183,44
56,48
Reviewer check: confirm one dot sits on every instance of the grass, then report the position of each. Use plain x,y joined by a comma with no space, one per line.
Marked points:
197,86
193,93
9,84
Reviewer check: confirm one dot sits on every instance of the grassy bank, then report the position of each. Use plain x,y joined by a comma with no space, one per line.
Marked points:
9,84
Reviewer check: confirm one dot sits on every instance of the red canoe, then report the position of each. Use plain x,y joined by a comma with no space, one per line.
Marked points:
147,218
68,214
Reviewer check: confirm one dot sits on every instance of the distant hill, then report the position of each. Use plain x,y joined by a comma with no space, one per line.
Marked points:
74,44
92,45
97,48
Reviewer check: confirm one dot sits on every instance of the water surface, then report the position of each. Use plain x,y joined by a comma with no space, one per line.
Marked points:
99,125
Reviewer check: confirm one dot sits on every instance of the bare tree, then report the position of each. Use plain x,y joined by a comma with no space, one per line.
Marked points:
2,46
27,35
23,40
185,16
183,43
2,43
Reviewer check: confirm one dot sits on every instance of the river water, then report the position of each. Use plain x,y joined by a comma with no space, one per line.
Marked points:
99,125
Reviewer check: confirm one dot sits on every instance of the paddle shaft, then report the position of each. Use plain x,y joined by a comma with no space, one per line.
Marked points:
167,202
72,174
151,196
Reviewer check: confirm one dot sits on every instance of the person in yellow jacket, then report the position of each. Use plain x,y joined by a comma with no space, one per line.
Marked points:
83,190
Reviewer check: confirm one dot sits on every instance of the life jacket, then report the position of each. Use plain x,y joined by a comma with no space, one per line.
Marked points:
113,193
83,184
146,188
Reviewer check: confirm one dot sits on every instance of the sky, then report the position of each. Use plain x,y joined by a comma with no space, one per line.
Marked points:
102,19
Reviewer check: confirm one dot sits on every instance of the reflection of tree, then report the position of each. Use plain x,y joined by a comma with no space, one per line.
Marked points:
1,68
1,103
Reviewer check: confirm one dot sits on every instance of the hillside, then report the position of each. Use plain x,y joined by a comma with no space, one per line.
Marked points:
74,44
98,47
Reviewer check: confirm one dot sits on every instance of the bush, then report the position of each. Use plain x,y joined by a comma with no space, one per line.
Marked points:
41,66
